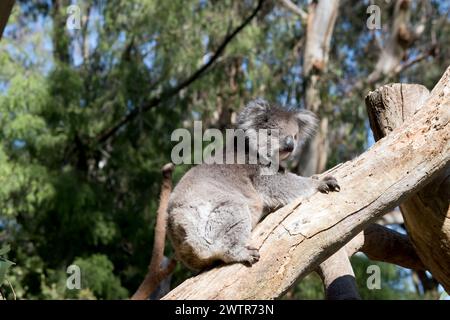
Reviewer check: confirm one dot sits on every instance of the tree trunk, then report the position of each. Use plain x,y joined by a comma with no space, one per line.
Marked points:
426,214
294,240
320,25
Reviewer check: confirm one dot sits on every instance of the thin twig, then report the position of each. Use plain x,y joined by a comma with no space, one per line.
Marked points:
155,272
12,289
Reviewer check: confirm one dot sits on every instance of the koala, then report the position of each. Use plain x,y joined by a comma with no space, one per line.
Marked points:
214,207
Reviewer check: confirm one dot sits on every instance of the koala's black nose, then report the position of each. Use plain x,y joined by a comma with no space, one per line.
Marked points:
288,144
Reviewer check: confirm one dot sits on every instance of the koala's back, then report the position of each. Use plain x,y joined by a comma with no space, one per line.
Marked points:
211,205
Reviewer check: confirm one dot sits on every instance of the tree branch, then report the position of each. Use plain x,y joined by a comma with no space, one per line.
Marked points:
338,277
427,212
311,230
295,9
402,67
5,11
155,274
173,91
378,243
383,244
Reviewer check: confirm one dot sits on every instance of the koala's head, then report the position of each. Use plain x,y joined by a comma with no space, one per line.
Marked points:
290,125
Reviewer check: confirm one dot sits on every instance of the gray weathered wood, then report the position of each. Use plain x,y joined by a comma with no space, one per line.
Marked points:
427,213
338,277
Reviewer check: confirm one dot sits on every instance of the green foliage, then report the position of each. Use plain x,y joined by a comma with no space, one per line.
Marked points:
5,264
98,277
309,288
395,282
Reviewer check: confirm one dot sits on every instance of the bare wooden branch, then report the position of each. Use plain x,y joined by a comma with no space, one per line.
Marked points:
294,240
383,244
426,214
155,273
338,277
288,4
378,243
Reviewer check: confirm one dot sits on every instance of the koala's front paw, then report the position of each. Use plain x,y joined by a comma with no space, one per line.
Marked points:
327,184
252,255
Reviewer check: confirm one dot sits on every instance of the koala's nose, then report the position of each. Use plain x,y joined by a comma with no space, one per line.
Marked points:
289,143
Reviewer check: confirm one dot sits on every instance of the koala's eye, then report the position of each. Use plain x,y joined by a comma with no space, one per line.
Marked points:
296,136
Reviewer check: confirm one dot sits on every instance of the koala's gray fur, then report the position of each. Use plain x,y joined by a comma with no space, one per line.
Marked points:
214,207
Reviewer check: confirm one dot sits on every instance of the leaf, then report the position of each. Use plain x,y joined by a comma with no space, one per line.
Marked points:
5,249
4,266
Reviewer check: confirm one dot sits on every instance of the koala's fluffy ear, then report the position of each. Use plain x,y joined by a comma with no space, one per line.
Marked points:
253,114
307,123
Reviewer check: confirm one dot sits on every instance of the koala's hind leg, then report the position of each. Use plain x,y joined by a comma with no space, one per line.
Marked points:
234,233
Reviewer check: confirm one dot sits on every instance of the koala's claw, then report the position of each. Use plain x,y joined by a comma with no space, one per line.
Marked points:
253,255
327,184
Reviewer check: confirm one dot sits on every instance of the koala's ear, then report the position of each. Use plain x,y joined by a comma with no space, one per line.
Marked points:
253,113
307,123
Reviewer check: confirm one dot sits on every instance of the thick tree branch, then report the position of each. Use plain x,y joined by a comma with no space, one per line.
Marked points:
379,244
5,10
426,213
338,277
383,244
296,239
155,273
173,91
